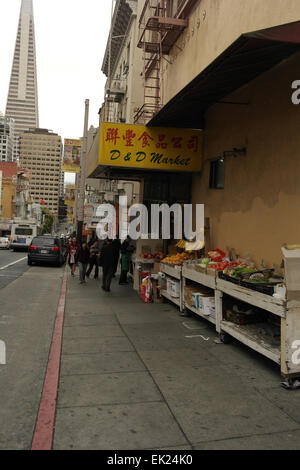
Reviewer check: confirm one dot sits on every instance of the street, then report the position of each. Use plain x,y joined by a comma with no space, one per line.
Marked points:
28,304
12,266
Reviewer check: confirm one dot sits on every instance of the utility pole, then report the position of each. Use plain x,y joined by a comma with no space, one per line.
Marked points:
83,170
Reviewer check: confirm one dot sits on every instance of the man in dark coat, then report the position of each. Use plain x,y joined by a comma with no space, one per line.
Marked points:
126,252
94,260
107,263
117,247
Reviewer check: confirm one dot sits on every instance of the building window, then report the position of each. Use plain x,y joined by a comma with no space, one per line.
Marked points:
217,174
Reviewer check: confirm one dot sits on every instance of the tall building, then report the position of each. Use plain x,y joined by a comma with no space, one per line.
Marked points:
7,133
41,154
22,100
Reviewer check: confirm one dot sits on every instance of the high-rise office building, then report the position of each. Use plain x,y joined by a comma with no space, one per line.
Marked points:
22,100
41,154
7,133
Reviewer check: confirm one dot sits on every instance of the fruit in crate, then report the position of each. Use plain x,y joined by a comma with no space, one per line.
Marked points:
159,256
177,260
147,256
216,255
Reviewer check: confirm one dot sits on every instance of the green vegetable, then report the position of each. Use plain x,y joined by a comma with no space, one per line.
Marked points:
236,272
205,261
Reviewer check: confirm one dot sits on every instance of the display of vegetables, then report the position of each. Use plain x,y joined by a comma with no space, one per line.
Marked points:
239,270
223,265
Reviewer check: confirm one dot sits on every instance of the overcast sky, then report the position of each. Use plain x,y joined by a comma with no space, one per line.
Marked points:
71,37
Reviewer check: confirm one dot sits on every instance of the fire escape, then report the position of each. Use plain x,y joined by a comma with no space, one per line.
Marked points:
159,29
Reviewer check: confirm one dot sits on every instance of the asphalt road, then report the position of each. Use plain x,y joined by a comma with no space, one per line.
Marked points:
9,273
28,308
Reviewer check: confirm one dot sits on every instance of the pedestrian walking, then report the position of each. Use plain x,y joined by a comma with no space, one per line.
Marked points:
107,263
92,241
94,260
82,258
72,250
126,252
117,247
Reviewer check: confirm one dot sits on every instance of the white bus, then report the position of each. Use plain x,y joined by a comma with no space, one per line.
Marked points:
22,234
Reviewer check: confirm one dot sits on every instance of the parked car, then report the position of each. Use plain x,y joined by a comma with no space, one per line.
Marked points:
4,243
47,249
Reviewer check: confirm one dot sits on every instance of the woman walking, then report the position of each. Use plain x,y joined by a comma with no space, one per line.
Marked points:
126,252
72,250
82,259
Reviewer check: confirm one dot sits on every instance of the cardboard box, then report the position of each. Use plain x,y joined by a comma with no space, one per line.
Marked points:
173,288
188,294
208,305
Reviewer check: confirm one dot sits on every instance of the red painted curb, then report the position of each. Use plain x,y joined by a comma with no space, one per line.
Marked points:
44,428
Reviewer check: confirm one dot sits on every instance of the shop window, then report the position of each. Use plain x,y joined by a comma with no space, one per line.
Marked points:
217,174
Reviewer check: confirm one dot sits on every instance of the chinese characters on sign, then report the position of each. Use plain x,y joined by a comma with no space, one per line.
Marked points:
72,151
156,148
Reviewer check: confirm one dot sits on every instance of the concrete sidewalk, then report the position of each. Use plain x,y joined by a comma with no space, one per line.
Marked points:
137,376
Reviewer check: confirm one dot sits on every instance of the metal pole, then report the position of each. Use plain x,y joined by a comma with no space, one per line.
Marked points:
83,169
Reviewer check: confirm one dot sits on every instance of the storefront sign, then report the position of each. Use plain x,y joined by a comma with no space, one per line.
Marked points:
153,148
71,163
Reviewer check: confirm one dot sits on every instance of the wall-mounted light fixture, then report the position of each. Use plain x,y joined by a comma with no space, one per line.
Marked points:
229,153
233,153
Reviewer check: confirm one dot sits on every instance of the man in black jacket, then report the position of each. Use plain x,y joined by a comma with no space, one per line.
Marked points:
107,263
117,247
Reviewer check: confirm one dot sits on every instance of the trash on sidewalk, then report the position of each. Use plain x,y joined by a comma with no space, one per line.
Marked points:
198,336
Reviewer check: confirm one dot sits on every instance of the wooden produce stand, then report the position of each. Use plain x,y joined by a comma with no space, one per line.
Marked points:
287,352
249,334
174,272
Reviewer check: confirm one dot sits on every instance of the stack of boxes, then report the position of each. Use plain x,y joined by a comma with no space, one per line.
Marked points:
201,299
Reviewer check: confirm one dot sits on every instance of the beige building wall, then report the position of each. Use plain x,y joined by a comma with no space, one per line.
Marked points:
41,154
258,210
213,26
8,198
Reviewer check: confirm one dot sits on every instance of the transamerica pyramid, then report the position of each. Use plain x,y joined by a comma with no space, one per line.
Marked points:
22,100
